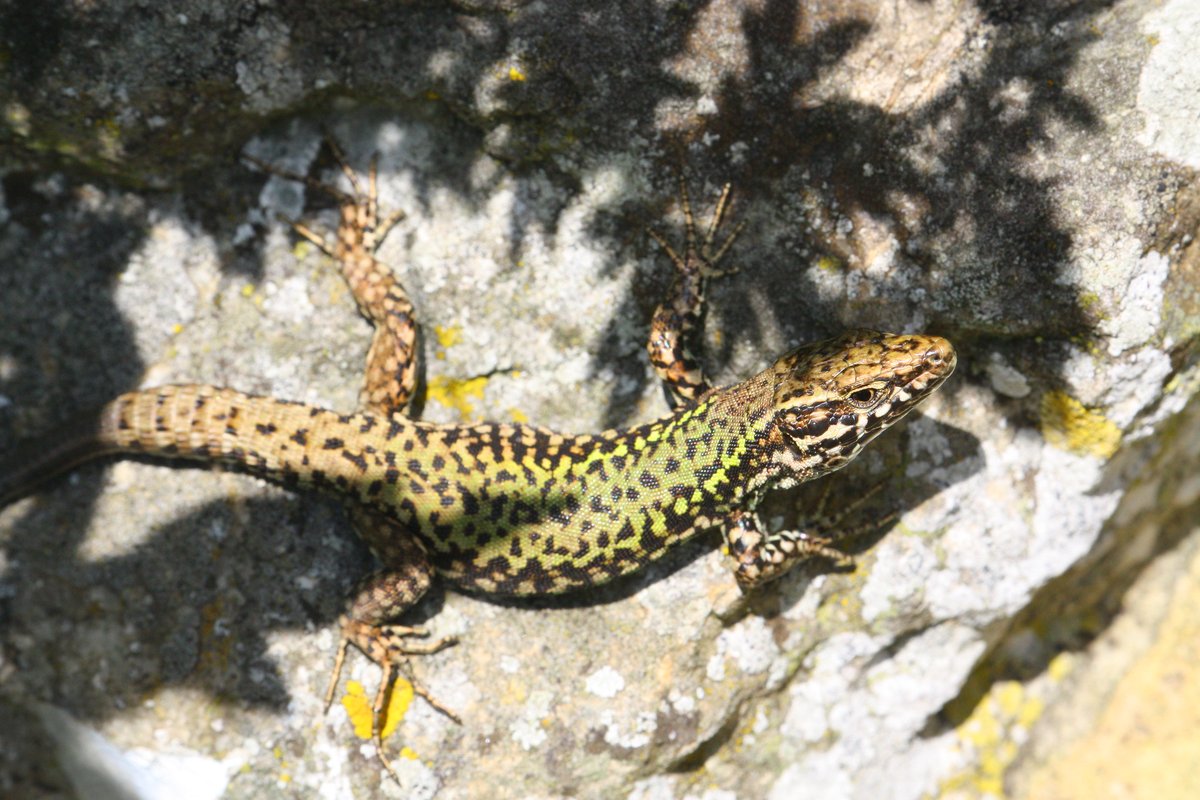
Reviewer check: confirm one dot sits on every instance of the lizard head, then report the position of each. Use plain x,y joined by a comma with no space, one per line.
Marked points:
833,397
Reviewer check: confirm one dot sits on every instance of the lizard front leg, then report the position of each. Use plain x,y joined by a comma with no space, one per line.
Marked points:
678,316
761,557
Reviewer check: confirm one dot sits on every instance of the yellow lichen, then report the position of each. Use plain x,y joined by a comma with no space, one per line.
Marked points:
301,249
284,777
18,118
515,74
829,264
457,393
1060,666
358,707
108,137
991,731
513,692
1089,301
1070,425
448,335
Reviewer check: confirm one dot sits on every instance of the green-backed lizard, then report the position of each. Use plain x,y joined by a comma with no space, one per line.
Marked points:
514,509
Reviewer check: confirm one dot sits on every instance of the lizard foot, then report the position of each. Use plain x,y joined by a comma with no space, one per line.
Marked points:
361,224
701,260
677,318
389,646
762,557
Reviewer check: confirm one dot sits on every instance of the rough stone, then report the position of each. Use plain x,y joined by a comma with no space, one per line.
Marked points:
1018,177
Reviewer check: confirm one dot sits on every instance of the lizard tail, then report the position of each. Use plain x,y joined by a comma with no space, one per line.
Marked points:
289,443
34,463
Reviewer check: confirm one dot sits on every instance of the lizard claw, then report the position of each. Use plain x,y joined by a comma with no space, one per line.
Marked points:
390,648
701,258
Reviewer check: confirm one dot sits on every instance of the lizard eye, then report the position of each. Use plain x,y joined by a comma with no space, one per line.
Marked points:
865,397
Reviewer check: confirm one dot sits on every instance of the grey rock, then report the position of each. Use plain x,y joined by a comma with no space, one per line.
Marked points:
1019,178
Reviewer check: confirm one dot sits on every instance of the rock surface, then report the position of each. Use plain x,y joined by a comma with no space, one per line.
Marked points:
1017,177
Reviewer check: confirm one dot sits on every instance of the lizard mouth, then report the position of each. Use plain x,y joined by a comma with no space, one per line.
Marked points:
915,382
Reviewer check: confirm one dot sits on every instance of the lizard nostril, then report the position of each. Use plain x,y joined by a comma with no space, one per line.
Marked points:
939,354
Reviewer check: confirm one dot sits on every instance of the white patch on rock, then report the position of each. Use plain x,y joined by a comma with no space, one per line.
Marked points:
605,682
1139,305
818,775
1136,384
853,690
902,568
1169,90
1069,513
159,285
656,787
808,715
288,300
1005,379
714,670
681,703
751,645
643,727
528,730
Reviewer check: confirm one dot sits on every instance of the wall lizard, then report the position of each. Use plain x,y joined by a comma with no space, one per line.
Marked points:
514,509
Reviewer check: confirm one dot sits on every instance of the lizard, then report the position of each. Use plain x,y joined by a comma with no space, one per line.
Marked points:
515,509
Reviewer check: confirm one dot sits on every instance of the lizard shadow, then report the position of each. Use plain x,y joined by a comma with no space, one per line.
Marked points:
97,634
65,343
802,168
194,604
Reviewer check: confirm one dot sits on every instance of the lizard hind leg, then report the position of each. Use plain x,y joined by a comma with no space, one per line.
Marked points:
391,373
382,596
390,647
